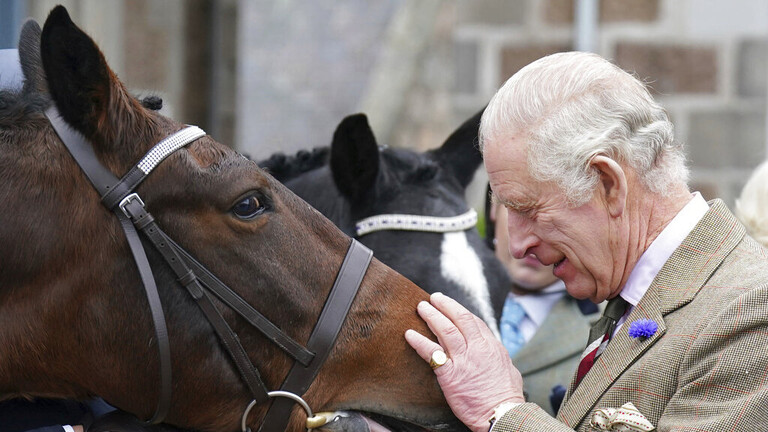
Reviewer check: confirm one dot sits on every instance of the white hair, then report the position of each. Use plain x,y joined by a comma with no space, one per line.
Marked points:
570,107
752,205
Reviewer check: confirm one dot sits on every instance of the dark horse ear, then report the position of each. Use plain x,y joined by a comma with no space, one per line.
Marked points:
79,79
460,153
354,157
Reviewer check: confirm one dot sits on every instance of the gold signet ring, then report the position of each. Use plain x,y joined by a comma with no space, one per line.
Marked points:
438,359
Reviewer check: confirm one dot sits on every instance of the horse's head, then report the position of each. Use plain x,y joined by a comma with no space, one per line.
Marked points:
74,320
355,179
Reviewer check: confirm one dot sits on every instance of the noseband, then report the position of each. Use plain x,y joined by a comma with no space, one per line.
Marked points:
118,196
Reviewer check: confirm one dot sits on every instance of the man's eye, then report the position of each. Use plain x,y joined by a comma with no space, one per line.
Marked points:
524,212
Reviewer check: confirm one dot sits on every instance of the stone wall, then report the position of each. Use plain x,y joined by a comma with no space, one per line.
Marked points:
269,76
182,51
704,60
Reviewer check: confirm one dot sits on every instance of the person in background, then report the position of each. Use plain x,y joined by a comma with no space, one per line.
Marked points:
541,325
752,204
585,162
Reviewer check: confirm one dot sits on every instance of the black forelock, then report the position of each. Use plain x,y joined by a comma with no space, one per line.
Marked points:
409,166
154,103
285,168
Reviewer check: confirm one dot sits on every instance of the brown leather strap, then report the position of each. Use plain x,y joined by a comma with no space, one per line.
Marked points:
122,188
146,224
245,310
103,179
324,335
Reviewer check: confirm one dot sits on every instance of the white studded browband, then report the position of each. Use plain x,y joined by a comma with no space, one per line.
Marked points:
405,222
167,146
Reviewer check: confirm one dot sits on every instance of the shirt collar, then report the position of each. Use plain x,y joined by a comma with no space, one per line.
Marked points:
653,259
537,306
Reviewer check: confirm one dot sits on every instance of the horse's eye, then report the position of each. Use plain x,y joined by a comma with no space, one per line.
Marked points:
248,208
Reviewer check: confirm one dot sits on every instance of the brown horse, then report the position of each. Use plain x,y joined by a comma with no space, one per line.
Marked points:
74,320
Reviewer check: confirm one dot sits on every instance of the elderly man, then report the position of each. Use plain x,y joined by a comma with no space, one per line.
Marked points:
585,162
541,325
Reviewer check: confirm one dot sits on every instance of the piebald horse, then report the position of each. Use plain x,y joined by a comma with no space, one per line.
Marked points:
408,207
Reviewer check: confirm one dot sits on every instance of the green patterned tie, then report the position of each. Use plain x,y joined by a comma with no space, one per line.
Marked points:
614,310
601,333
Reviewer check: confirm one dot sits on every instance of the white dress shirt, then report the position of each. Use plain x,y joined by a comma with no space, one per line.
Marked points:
653,259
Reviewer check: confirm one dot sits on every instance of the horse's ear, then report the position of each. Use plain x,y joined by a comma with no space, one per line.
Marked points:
29,56
79,79
460,153
354,157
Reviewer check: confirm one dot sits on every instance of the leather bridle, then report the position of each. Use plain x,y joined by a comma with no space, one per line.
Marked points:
118,196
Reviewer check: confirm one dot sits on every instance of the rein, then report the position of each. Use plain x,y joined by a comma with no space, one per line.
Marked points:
406,222
118,196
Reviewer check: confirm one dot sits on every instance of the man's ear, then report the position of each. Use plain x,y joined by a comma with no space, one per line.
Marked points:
613,183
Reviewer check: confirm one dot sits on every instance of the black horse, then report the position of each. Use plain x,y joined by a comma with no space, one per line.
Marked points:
355,181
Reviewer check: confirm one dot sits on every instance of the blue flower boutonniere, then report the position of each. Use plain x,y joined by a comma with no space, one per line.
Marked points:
642,329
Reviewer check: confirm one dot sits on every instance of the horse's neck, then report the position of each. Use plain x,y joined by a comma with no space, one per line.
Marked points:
37,337
54,254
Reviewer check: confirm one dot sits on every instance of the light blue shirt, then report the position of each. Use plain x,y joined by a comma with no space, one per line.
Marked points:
537,307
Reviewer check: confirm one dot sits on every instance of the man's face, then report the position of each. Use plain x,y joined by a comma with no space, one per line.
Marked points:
580,242
528,273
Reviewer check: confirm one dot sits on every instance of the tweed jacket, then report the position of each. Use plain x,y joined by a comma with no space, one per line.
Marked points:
552,355
706,367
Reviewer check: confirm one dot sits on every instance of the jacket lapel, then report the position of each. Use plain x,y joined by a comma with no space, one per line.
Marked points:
560,337
678,282
622,351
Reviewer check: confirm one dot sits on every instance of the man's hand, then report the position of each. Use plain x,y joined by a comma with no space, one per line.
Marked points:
479,374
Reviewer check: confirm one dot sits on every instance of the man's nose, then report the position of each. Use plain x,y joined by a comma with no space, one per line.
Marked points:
521,237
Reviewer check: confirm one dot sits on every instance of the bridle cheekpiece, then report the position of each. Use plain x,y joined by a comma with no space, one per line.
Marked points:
118,195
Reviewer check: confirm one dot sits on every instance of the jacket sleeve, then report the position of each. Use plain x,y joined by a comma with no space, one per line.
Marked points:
723,383
528,417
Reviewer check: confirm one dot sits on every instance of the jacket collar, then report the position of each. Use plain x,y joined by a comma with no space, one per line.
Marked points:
678,282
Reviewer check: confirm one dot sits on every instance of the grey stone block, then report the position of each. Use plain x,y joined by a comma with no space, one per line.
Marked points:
727,139
465,57
752,69
303,66
514,58
611,11
671,68
504,12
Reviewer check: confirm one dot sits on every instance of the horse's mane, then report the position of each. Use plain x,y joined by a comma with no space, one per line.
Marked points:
285,168
16,106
